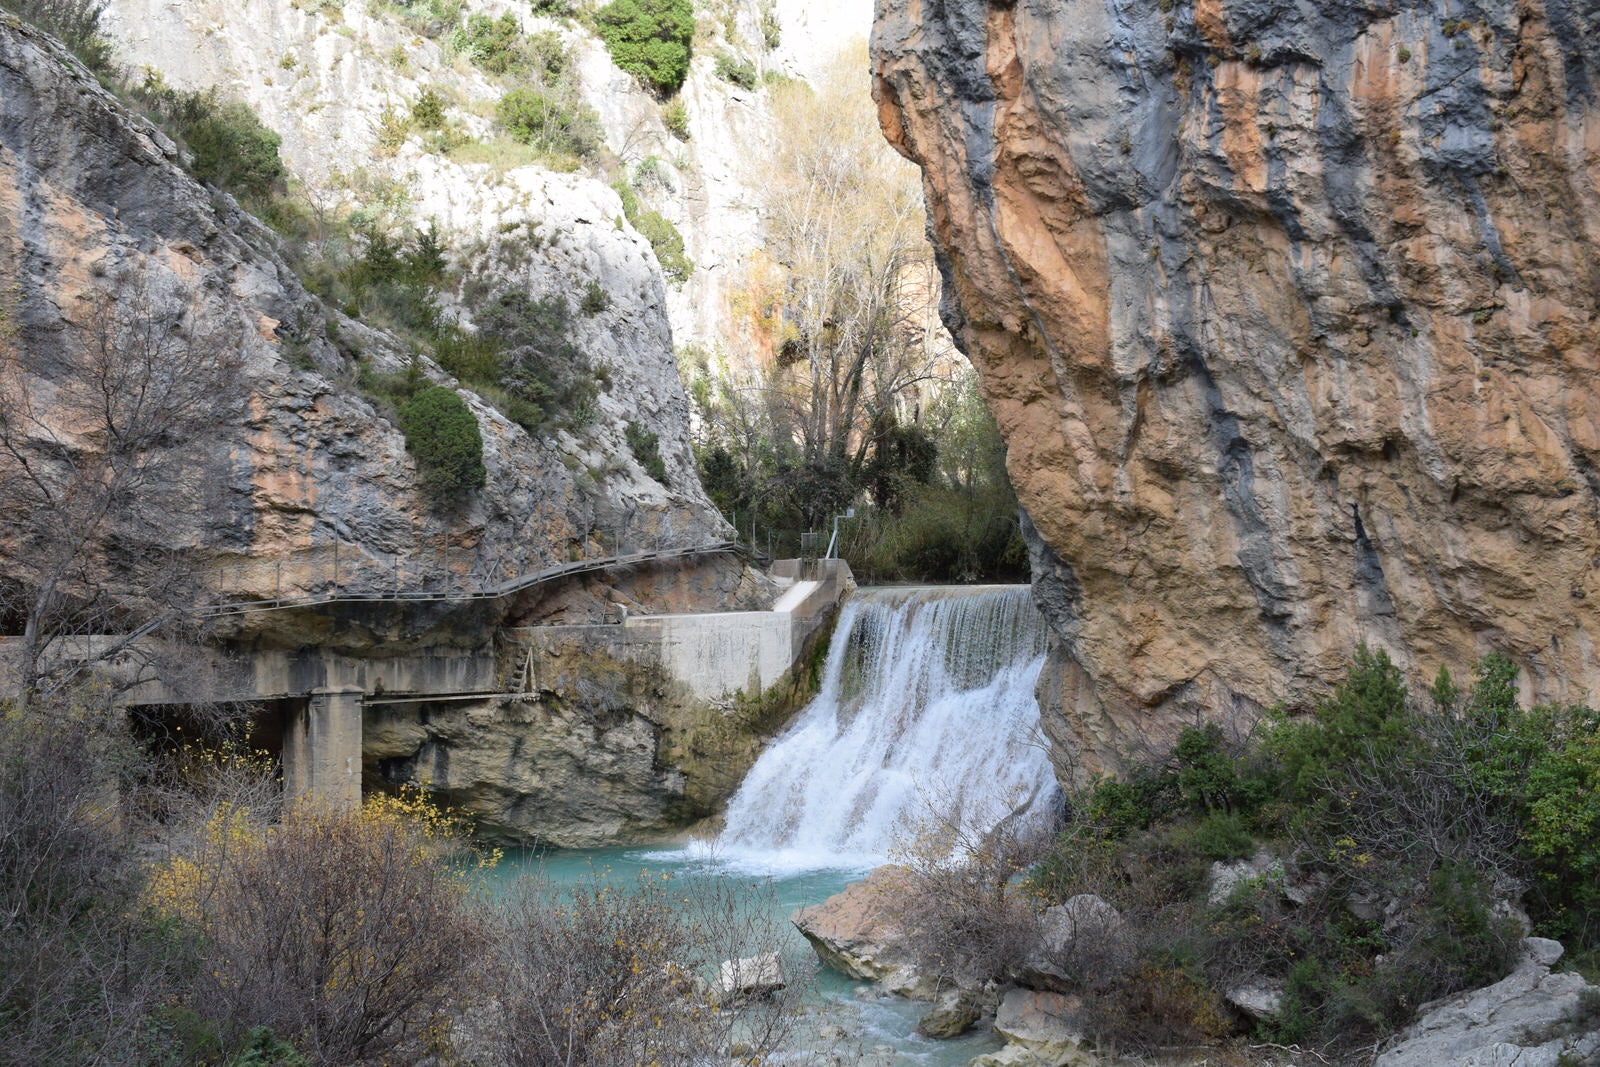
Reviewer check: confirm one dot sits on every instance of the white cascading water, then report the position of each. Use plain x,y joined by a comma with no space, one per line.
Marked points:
927,705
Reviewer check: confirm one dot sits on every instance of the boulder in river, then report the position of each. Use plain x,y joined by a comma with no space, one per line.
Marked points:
857,932
756,976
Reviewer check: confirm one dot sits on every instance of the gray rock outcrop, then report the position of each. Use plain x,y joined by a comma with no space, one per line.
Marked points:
1041,1030
1072,935
752,976
312,472
1531,1018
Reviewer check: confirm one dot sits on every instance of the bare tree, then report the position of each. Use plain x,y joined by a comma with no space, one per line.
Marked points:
850,278
78,978
603,973
104,428
350,934
966,916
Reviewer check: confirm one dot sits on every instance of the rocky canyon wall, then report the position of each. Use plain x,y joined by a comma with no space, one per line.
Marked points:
306,481
1288,315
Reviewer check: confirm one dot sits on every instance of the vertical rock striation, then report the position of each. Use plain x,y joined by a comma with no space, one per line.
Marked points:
1288,315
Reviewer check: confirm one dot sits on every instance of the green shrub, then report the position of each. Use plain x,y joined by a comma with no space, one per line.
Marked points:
75,22
427,110
538,363
1560,834
736,71
646,448
496,45
668,244
771,26
544,120
229,145
1367,715
595,299
1220,836
428,17
675,116
649,39
442,432
663,236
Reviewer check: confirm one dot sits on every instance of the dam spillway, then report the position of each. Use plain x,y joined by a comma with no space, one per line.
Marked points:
926,705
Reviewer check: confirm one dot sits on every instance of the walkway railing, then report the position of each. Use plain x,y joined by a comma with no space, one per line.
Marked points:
481,590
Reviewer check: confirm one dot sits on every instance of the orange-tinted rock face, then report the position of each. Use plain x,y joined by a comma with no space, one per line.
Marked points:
1288,314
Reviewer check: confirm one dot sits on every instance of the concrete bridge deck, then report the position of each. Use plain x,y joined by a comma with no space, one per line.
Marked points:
714,654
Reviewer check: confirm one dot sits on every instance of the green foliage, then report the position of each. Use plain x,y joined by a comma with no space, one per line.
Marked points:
903,457
263,1048
554,8
1353,984
229,145
736,71
428,17
943,509
649,39
427,110
1367,715
667,242
383,278
537,366
497,45
938,534
646,448
1221,836
675,116
233,149
550,121
1416,813
1561,820
442,432
771,26
594,300
76,23
663,236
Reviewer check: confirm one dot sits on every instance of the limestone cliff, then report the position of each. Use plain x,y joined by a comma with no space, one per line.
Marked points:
312,485
1288,315
328,77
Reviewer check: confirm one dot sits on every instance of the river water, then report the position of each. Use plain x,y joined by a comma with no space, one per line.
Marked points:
926,708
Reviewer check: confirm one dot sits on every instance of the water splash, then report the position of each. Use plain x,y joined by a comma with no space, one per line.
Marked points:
927,698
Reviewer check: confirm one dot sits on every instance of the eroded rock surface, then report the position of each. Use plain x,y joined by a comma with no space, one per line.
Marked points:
312,486
1288,316
1530,1018
857,933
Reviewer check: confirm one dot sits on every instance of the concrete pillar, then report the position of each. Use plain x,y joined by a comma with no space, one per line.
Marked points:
322,750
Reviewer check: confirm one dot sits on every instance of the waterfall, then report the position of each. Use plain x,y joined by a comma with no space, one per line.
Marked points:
927,703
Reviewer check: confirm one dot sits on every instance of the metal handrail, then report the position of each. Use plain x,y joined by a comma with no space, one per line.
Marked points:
494,592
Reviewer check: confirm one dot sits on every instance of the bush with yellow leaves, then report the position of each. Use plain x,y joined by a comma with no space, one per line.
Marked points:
350,934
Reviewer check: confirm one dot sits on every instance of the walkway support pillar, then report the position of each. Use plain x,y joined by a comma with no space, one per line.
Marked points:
322,750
